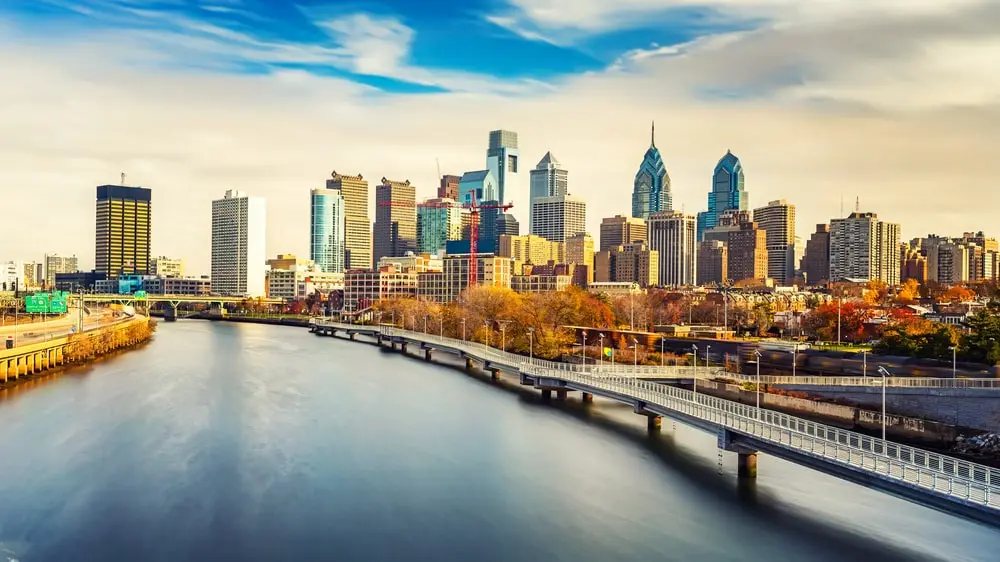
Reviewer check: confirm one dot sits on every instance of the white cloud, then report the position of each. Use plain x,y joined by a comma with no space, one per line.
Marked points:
73,118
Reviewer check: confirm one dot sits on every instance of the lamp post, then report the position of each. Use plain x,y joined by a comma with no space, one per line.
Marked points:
840,301
707,347
503,334
954,361
757,385
635,356
694,376
531,344
441,325
631,305
486,323
583,350
885,379
663,358
463,329
425,323
600,357
864,365
795,352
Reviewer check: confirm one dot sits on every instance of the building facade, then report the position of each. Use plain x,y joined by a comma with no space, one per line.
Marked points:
447,285
816,262
651,187
777,220
239,225
548,179
539,283
476,187
631,263
395,218
747,253
124,229
357,225
194,286
673,234
438,221
530,249
55,264
713,262
364,288
448,188
502,161
580,251
728,193
327,230
619,230
912,264
558,217
163,266
863,247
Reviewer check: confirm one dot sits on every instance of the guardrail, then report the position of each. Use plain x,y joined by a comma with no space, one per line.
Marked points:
963,480
901,382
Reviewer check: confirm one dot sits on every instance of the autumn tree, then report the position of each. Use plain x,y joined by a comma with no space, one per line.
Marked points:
909,292
958,293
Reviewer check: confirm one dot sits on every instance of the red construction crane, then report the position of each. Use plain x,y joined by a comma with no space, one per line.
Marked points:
473,209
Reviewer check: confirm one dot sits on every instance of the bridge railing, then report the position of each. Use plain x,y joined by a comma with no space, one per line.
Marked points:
942,474
904,382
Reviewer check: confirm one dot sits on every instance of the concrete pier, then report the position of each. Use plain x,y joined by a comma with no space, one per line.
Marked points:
468,363
427,354
561,394
587,398
746,464
653,423
494,373
546,395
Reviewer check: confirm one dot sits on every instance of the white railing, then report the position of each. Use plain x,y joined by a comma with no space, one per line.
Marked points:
902,382
966,481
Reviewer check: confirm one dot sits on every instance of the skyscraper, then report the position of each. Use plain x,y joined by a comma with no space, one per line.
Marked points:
816,262
778,221
395,219
478,186
438,221
547,179
673,235
728,193
124,230
58,264
580,251
619,231
501,159
449,187
651,188
558,217
863,247
239,258
713,262
326,230
357,226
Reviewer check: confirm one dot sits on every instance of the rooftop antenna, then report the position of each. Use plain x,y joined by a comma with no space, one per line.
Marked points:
123,178
652,134
438,161
857,204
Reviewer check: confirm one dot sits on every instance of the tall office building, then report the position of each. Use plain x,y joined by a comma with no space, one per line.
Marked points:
747,249
327,229
619,231
357,226
816,262
673,235
395,218
651,188
580,251
58,264
448,189
124,230
728,193
239,259
912,264
547,179
501,160
778,221
477,187
507,224
863,247
713,262
636,263
558,217
438,221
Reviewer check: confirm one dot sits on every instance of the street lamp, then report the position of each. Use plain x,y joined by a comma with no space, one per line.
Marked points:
795,352
441,325
694,376
463,329
425,323
486,323
583,352
600,356
503,334
635,355
885,380
663,359
757,353
864,365
707,347
531,343
954,359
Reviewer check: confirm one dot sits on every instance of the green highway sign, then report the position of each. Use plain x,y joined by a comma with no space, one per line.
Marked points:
37,303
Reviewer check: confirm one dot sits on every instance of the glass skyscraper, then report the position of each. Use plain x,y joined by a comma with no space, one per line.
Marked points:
651,190
728,193
501,160
438,221
326,241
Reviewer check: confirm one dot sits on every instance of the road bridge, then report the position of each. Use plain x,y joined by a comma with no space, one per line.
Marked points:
939,481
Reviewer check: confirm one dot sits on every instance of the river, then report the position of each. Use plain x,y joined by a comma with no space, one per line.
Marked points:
237,442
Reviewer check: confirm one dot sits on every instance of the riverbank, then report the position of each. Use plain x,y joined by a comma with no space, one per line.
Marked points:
296,321
44,358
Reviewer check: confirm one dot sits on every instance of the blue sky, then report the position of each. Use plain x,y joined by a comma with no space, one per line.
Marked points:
374,43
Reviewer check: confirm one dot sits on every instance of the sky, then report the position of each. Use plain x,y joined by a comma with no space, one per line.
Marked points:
894,104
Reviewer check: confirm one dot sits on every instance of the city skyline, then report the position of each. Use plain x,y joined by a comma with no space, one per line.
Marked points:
189,133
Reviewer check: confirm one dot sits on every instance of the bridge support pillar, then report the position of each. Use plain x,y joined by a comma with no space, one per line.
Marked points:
427,354
546,395
351,336
561,394
402,347
378,340
468,363
746,464
494,373
653,423
169,313
587,398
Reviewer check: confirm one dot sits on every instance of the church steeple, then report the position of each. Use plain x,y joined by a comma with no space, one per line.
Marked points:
652,135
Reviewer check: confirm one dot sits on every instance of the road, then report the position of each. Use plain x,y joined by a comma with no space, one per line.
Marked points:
25,334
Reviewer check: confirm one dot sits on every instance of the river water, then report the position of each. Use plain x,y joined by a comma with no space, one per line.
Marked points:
236,442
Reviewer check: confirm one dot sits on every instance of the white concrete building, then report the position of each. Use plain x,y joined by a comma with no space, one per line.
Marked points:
558,217
163,266
777,220
675,236
239,265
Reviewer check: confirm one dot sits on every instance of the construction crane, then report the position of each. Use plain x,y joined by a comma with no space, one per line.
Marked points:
473,207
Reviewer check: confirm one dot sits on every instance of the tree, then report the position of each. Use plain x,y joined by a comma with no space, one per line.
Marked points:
959,293
909,292
981,343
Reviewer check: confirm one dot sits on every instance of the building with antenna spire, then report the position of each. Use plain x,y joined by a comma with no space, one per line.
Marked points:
651,188
728,193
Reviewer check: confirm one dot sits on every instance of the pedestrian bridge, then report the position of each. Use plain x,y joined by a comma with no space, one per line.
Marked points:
931,479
